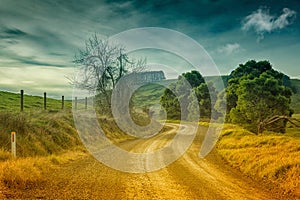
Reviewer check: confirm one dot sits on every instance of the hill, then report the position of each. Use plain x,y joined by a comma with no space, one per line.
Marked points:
39,131
149,94
11,102
42,132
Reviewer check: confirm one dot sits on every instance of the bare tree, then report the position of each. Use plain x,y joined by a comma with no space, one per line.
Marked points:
102,64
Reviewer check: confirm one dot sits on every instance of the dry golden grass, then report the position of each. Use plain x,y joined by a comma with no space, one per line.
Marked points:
270,156
4,155
27,172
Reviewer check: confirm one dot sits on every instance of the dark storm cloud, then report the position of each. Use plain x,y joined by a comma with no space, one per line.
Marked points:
6,33
48,33
32,61
181,15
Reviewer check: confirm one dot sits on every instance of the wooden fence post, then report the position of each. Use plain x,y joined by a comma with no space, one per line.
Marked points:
45,100
22,100
75,103
86,103
62,102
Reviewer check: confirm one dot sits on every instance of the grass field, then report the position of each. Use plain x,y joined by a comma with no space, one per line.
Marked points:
38,133
269,156
27,172
11,102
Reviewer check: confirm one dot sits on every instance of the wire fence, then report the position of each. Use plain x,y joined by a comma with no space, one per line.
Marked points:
45,107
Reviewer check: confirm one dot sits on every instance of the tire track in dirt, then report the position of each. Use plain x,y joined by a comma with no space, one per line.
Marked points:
161,185
193,178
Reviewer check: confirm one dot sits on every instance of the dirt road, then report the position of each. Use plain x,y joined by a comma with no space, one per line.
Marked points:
187,178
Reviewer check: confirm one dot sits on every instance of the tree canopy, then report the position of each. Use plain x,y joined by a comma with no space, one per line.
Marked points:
255,94
183,102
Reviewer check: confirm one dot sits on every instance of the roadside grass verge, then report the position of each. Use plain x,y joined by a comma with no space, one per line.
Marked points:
38,133
269,156
28,172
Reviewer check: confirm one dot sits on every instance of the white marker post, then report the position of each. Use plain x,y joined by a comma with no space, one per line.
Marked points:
13,144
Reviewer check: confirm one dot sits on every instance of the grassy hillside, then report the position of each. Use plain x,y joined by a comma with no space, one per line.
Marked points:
11,102
42,132
272,157
38,133
149,94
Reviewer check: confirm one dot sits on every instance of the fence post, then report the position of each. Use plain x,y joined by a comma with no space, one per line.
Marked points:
45,100
22,100
62,102
85,103
13,144
75,103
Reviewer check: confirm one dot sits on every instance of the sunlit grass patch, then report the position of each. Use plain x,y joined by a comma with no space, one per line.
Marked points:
271,156
29,172
5,155
38,133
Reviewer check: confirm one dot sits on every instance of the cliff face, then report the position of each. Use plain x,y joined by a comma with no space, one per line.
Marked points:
147,77
130,82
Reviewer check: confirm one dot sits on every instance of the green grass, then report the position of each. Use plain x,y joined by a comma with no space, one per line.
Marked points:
11,102
44,132
147,95
38,133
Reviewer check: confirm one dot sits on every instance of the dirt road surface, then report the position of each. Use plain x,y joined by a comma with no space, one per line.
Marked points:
189,177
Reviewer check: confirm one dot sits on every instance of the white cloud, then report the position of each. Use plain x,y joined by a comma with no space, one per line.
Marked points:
36,79
229,48
261,21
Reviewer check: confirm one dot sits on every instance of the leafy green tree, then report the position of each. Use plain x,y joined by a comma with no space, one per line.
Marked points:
193,108
257,97
249,70
206,97
194,78
259,100
170,103
183,101
221,105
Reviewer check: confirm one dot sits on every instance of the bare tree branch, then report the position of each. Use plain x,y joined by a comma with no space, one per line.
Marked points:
102,64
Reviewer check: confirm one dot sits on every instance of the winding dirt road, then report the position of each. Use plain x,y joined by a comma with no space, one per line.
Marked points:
189,177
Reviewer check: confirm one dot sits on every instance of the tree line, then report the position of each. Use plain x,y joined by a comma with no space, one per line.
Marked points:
256,96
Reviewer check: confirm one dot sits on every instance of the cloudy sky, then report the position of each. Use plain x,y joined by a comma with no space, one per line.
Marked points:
38,39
